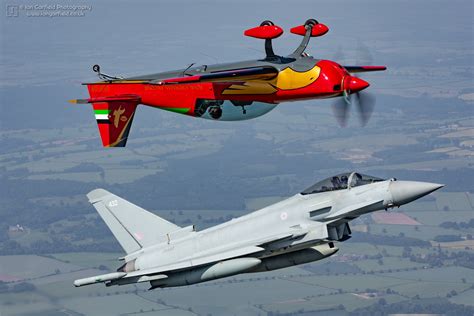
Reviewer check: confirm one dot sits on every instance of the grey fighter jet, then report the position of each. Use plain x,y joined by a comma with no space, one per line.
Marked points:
303,228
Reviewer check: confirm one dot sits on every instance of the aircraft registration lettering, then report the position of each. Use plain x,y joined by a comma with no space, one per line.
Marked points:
113,203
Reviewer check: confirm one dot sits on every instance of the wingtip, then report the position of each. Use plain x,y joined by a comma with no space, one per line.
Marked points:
375,68
97,195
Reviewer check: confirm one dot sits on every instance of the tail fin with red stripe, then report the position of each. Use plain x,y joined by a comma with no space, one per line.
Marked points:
114,117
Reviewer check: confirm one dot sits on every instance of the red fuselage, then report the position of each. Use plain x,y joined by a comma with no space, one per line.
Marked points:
326,79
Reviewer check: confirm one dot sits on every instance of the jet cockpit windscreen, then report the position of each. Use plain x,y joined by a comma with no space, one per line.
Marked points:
340,182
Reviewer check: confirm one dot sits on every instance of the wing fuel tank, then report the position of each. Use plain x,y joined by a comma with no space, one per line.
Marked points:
218,270
297,257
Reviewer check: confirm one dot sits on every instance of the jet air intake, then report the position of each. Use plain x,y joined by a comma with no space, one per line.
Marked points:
339,232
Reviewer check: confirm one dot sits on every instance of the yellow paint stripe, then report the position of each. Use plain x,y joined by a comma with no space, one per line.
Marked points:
289,79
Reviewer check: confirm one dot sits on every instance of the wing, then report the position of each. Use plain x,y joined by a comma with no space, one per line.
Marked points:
161,272
247,248
243,74
252,248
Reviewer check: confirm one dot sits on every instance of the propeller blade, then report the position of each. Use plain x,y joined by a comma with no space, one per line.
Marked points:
339,55
365,106
341,111
363,54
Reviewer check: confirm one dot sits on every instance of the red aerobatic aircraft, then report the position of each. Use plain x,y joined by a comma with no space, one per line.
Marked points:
231,91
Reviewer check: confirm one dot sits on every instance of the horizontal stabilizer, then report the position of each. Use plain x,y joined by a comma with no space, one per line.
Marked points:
130,98
356,69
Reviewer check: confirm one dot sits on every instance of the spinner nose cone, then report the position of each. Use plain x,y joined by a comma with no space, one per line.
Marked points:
355,84
404,192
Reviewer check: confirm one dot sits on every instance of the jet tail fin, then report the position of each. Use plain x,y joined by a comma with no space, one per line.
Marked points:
132,226
114,117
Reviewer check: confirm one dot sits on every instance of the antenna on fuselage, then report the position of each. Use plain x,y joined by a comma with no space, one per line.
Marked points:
187,68
102,76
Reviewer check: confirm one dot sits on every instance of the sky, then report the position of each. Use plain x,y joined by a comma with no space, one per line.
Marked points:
427,45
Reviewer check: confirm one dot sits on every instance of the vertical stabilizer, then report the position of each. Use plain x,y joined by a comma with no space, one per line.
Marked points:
132,226
114,120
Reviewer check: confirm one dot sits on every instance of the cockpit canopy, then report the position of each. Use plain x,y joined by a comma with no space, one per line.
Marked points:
340,182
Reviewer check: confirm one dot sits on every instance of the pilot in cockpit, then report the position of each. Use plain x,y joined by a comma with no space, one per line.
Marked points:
336,183
344,179
341,182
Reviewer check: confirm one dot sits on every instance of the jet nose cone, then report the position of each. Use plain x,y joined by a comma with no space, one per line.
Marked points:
356,84
404,192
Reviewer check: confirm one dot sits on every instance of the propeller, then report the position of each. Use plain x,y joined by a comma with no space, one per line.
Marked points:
365,106
341,110
364,101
